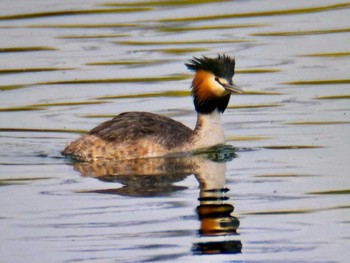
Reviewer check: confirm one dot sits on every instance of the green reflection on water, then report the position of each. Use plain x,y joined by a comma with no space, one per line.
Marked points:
331,192
188,42
17,181
182,50
333,97
297,33
282,175
26,49
291,147
168,93
82,25
262,13
246,138
73,12
92,36
318,82
329,54
31,70
318,122
43,106
164,3
250,106
280,212
199,28
295,211
125,63
12,87
70,103
257,70
22,108
118,80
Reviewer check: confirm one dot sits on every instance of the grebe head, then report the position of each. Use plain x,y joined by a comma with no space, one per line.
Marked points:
212,84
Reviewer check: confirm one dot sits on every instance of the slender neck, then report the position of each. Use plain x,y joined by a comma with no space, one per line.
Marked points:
208,131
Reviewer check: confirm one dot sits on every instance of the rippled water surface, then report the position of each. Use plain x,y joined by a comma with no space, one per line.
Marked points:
280,195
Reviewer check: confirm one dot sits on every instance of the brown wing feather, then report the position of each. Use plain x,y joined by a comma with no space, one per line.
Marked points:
130,126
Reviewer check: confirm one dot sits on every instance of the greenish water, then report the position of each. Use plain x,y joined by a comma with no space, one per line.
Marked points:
280,195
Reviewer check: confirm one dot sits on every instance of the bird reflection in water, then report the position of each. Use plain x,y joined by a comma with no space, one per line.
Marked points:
156,177
218,228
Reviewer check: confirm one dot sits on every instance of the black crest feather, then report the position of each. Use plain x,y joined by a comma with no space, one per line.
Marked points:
223,66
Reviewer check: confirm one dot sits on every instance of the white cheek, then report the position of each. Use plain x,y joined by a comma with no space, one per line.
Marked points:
216,88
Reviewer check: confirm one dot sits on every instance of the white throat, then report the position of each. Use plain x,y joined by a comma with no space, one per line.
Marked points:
208,131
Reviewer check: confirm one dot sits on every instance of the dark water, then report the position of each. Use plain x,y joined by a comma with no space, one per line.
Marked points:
282,195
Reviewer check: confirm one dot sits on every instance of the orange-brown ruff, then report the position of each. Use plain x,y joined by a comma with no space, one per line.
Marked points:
133,135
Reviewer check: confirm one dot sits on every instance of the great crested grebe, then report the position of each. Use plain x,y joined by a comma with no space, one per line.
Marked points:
132,135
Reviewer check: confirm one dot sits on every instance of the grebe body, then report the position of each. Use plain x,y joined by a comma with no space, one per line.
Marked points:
132,135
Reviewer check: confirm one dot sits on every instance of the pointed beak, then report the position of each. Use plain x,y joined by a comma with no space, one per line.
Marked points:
233,88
